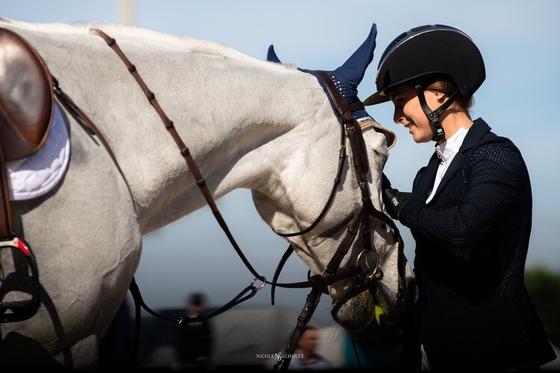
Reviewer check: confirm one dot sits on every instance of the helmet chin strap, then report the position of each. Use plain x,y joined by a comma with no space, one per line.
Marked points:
433,116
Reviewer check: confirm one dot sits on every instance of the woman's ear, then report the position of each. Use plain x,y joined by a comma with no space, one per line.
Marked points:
441,97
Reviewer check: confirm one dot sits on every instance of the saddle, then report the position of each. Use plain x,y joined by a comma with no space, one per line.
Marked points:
26,115
26,109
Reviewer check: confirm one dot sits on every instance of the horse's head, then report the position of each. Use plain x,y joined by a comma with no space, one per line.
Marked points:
348,242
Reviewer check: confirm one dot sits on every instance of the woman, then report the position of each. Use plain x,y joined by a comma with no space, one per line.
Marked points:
469,212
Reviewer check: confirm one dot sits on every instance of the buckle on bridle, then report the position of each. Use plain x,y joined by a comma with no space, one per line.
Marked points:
319,282
365,260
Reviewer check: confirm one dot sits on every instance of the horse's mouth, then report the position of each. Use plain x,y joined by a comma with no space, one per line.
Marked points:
364,313
355,314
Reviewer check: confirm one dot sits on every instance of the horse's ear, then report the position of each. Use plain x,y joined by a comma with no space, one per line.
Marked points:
271,55
353,70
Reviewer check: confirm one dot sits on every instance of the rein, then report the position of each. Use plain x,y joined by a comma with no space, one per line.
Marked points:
87,124
251,290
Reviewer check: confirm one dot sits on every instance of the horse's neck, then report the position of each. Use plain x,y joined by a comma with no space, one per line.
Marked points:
230,112
239,116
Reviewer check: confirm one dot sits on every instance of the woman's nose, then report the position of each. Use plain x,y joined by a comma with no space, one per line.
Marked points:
398,116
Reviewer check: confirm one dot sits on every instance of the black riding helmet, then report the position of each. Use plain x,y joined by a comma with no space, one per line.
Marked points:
424,52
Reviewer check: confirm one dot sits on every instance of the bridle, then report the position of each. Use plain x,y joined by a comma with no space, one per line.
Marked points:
332,272
361,221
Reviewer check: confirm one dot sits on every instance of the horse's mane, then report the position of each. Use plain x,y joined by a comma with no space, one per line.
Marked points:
55,27
173,42
143,37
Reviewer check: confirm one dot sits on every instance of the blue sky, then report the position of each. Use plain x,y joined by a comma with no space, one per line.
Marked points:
520,44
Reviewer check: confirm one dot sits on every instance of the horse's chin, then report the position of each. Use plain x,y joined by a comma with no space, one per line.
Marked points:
356,314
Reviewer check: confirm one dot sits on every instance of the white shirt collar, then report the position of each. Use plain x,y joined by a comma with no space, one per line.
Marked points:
447,149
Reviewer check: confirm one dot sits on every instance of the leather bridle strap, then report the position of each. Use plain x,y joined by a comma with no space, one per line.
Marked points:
360,160
311,303
331,272
344,246
357,143
353,131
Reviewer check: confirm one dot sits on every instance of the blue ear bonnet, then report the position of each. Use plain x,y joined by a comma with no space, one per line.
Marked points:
348,76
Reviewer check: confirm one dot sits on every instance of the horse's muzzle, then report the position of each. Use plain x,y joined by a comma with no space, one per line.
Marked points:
357,313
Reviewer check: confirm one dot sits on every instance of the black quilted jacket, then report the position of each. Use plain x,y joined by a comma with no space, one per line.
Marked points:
471,246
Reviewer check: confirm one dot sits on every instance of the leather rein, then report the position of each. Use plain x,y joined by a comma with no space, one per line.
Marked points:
319,283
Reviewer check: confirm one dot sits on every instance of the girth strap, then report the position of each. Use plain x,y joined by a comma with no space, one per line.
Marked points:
5,213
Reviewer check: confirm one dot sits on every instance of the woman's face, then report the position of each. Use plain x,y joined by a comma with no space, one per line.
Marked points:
409,113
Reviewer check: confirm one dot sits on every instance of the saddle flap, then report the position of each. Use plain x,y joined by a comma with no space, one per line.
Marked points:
26,97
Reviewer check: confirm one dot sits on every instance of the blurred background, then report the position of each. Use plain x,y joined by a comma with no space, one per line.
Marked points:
519,100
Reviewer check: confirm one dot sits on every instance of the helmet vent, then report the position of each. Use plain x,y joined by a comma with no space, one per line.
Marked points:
420,28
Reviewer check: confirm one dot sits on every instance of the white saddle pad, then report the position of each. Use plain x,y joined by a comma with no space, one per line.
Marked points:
36,175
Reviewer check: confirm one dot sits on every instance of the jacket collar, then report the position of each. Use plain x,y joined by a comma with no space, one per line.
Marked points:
475,134
473,137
